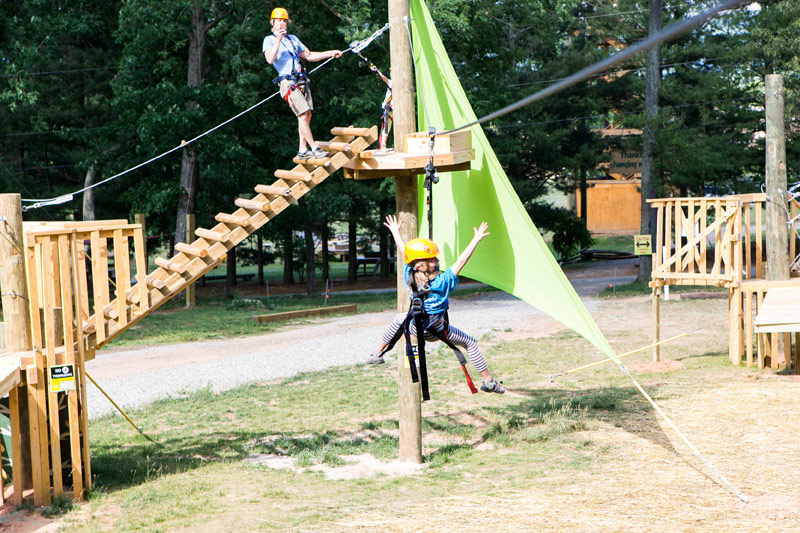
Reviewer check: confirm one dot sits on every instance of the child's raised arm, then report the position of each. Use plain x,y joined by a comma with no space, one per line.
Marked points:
394,227
480,233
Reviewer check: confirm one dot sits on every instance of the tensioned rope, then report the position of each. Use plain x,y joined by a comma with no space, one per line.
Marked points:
357,46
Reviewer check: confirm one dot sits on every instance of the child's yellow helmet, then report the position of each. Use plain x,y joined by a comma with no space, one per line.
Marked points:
279,13
419,248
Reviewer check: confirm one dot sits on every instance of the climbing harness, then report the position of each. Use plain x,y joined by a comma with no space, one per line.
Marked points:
298,76
424,324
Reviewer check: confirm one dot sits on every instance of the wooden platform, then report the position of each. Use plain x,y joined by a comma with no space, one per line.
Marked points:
780,312
451,153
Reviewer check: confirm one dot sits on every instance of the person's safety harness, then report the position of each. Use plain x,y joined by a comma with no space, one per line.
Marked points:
422,321
298,76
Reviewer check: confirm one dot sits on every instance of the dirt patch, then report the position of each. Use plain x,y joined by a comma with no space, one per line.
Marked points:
773,506
655,367
357,467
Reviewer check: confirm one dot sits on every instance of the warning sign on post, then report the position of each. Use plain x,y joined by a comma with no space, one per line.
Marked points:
62,378
416,357
642,245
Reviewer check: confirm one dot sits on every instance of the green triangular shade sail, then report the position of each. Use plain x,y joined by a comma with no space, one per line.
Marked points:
514,258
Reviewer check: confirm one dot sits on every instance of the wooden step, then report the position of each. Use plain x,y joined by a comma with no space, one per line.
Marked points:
209,235
313,161
194,251
252,205
171,266
225,218
334,146
270,189
292,175
358,132
154,283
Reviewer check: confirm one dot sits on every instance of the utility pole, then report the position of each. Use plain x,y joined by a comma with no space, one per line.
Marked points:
652,82
17,319
410,405
775,169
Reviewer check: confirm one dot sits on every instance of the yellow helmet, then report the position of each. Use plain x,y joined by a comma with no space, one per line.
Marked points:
419,249
279,13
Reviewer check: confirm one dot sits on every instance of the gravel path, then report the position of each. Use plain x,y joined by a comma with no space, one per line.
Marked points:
134,378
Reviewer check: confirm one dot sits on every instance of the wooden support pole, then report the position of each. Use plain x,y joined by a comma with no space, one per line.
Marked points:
656,323
190,227
406,198
17,320
139,218
777,238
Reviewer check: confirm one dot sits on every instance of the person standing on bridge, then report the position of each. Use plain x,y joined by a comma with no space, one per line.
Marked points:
284,51
425,281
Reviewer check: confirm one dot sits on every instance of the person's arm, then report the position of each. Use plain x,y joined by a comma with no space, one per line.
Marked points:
272,53
480,233
394,227
319,56
380,74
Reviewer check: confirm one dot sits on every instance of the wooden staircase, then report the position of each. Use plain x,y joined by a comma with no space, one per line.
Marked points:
193,260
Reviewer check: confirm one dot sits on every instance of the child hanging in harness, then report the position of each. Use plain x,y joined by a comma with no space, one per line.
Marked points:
386,107
423,279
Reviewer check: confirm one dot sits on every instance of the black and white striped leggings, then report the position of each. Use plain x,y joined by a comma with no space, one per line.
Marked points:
454,335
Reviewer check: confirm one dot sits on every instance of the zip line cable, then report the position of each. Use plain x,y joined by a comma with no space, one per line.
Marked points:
671,33
357,46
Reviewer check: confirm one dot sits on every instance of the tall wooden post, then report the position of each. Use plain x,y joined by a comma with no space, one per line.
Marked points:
190,227
406,198
16,316
775,168
139,218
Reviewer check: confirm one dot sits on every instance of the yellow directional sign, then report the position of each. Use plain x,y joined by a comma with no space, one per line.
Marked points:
642,245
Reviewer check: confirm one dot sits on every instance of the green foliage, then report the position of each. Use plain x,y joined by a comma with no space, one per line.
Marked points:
60,505
569,232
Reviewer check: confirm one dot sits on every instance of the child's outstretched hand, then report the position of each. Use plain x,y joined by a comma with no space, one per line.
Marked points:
392,223
480,232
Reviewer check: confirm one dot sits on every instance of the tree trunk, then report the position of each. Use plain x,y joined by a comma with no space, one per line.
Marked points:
383,242
652,82
352,250
189,164
288,257
308,235
584,203
88,196
325,235
230,272
260,257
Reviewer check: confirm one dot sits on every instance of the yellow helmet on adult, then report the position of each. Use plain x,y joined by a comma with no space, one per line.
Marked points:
419,248
279,13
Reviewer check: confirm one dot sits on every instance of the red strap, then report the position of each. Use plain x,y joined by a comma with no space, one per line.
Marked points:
289,93
469,380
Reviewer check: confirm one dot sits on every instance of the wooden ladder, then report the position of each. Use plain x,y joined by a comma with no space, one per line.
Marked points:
194,260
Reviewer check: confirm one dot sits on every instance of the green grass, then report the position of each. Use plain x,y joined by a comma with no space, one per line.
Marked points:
197,474
638,288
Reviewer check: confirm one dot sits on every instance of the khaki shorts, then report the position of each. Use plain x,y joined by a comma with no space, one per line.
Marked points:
299,102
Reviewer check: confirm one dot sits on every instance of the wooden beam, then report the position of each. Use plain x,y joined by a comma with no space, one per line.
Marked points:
292,175
357,132
320,311
226,218
194,251
209,235
252,205
169,265
270,189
